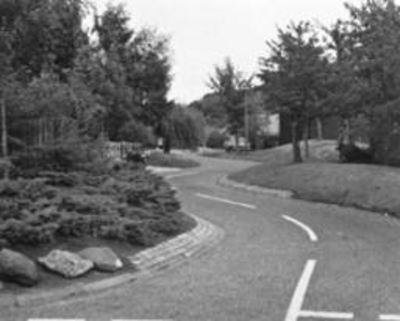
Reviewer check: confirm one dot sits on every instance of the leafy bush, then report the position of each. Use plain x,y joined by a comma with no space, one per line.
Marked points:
351,153
171,225
161,202
46,158
36,189
75,225
26,189
112,232
87,204
133,131
94,180
137,194
215,140
62,157
20,232
12,208
60,179
132,206
135,213
140,233
7,168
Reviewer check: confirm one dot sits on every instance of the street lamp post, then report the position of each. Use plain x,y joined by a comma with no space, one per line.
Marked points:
246,119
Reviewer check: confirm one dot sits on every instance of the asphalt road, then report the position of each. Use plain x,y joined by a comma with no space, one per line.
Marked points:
281,260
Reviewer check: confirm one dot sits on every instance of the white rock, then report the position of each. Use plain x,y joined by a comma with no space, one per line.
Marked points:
67,264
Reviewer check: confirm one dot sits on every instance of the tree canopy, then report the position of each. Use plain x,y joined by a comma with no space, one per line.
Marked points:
293,75
66,79
350,70
230,86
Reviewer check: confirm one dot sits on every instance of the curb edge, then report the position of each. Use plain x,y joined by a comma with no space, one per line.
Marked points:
166,255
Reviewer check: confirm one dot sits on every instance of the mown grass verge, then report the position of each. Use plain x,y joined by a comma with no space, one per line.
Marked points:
368,187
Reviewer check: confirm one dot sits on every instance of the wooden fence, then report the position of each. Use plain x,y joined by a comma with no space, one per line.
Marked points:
118,150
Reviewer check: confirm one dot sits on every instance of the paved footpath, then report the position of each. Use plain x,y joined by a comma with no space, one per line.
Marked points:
267,258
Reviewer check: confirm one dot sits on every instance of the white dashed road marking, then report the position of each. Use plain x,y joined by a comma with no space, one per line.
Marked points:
311,234
295,308
388,317
111,320
56,320
223,200
326,315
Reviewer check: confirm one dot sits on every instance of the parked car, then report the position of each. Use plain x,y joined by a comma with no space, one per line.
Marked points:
230,145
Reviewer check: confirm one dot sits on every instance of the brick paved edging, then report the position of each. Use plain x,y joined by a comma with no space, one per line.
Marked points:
165,255
178,249
224,181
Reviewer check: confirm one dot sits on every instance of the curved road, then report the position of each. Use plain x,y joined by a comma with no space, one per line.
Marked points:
280,260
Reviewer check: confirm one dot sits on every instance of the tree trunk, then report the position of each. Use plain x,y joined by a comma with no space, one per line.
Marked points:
295,143
167,144
41,137
4,135
320,133
306,141
347,132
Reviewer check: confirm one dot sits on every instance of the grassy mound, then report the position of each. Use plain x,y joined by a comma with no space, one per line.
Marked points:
369,187
363,186
323,150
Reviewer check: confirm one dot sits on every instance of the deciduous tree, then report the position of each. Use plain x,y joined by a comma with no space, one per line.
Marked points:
230,85
292,74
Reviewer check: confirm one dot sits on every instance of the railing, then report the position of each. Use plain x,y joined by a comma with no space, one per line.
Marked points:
118,150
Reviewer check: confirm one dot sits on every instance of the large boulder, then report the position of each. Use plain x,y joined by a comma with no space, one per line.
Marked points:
17,268
69,265
104,258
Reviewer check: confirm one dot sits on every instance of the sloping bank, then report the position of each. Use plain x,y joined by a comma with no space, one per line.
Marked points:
368,187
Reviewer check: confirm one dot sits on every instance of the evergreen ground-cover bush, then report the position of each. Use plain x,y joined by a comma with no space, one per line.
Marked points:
128,205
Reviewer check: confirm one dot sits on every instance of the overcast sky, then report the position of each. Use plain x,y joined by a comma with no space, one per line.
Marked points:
204,32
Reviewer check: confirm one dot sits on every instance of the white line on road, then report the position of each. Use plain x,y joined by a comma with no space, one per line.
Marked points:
388,317
326,315
111,320
300,292
223,200
295,312
311,234
56,319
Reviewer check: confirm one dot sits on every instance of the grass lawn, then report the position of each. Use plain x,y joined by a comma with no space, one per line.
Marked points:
320,150
322,179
